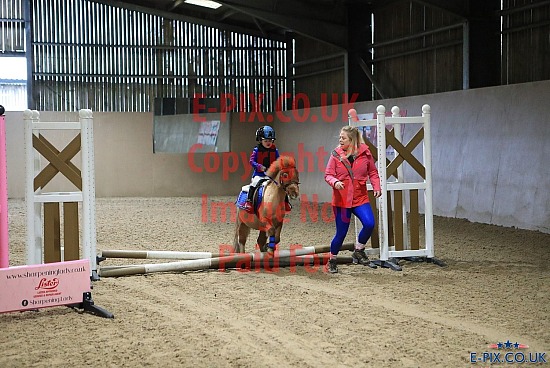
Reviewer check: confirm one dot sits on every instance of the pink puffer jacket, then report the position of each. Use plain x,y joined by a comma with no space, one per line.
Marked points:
355,190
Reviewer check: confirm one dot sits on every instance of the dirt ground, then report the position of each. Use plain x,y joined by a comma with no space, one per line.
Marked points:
495,288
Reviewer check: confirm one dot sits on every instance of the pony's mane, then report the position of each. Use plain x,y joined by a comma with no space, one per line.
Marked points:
281,162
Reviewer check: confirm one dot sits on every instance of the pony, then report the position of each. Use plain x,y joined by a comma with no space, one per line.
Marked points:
282,178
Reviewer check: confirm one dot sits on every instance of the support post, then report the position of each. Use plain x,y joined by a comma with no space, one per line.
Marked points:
4,248
46,231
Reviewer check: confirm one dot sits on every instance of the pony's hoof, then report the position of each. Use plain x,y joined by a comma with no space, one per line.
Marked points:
270,252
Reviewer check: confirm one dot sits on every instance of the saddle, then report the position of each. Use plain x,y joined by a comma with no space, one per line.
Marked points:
256,197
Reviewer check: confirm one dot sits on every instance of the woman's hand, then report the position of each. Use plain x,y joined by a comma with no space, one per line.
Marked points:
339,185
377,193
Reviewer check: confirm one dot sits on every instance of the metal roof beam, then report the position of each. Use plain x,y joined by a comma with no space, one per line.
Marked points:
190,19
298,22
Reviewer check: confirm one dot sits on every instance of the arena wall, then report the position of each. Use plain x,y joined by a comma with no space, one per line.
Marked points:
489,151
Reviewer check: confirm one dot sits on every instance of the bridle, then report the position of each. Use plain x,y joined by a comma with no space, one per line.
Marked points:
286,179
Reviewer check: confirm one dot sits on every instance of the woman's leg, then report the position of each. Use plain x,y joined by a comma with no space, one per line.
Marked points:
342,220
365,215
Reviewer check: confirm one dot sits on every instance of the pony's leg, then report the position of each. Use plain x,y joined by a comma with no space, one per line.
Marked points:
262,241
277,234
241,234
274,234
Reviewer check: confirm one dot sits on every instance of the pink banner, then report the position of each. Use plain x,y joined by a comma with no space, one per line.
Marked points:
44,285
4,250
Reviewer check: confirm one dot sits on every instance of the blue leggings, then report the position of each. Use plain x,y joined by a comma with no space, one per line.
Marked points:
342,217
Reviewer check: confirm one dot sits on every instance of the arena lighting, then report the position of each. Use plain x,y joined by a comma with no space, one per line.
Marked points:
205,3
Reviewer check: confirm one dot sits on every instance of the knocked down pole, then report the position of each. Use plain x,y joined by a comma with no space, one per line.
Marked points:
169,254
157,254
237,260
269,264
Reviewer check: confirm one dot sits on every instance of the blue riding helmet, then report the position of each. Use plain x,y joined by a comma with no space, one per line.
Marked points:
265,132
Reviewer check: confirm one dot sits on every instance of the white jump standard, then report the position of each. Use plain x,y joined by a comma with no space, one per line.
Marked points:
398,224
44,209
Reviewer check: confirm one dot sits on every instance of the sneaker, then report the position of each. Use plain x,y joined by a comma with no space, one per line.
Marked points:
248,207
332,266
360,257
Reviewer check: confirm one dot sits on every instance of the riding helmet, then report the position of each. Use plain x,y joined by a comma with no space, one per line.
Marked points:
265,132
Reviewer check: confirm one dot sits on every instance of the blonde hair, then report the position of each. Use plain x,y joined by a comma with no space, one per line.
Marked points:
355,137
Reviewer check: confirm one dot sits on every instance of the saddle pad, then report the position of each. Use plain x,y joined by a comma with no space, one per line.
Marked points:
241,199
243,196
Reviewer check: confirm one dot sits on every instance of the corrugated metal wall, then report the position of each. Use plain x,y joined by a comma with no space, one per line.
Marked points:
318,74
106,58
417,50
12,27
91,55
13,96
13,92
525,41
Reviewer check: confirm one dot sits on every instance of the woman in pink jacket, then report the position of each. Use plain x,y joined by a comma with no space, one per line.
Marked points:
349,167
